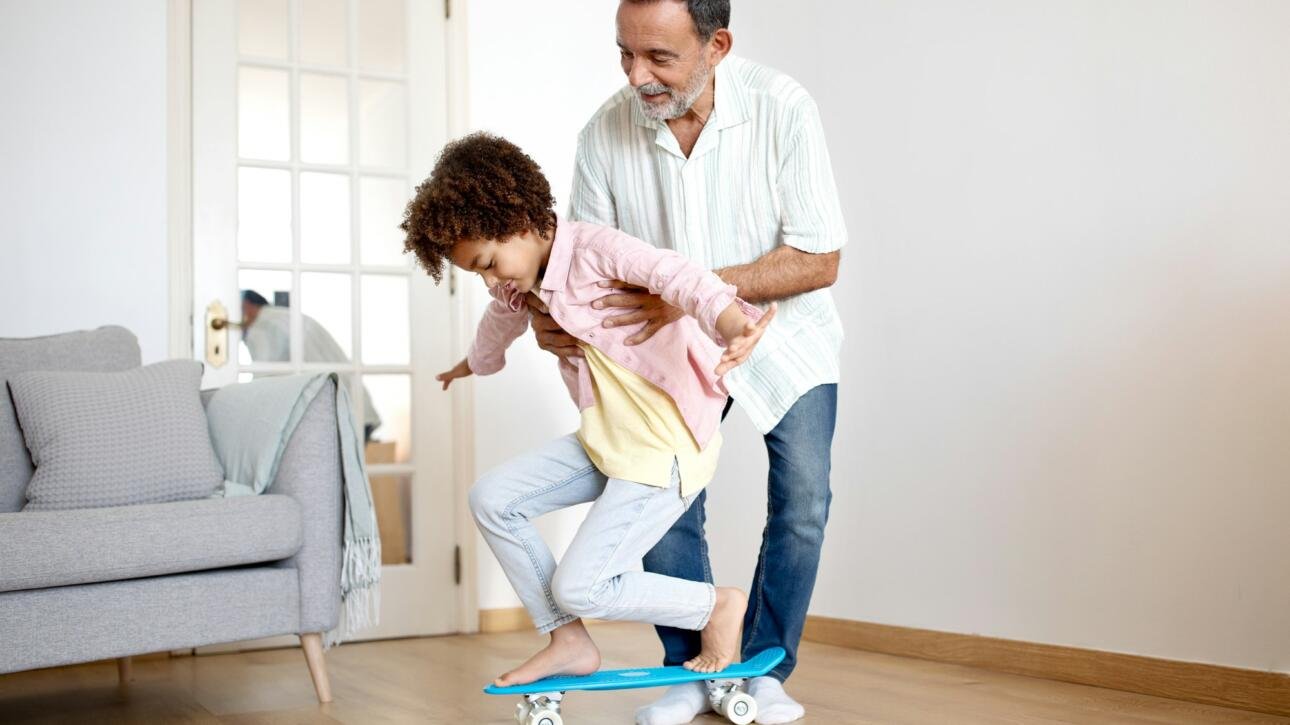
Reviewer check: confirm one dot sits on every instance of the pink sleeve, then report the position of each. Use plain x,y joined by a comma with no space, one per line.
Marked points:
506,318
671,275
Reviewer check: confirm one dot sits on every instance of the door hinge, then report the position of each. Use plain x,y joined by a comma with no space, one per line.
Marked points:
452,283
456,565
447,8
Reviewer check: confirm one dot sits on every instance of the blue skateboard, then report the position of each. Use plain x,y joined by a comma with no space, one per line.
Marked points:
541,703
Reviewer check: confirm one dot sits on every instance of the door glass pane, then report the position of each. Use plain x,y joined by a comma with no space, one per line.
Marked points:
380,35
387,413
263,215
392,499
266,316
324,218
324,119
382,124
381,204
328,317
322,32
385,320
262,28
262,114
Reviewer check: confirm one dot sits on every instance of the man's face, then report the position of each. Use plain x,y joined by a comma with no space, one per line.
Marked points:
663,57
516,261
249,313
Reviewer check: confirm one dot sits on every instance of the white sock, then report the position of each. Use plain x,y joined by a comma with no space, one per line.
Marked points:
773,704
678,706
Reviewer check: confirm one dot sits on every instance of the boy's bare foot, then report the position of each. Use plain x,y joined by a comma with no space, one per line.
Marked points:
720,638
571,652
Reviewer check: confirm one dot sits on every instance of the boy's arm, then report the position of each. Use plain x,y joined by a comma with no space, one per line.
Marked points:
505,319
677,279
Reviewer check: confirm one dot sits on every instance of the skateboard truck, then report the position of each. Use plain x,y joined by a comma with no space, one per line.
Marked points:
541,708
729,700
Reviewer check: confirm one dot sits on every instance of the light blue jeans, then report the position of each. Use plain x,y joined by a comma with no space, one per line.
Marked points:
596,577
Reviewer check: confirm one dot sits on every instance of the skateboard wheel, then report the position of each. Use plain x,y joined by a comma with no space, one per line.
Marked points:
545,717
739,708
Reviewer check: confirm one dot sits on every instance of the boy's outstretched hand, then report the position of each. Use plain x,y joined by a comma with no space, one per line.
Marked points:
746,334
460,370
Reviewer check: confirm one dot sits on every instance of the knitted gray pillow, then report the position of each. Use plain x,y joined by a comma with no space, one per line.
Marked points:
117,438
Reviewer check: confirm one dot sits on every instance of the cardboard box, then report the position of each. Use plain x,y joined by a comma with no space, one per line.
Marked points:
389,494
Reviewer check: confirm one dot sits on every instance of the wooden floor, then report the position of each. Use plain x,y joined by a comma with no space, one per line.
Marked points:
438,680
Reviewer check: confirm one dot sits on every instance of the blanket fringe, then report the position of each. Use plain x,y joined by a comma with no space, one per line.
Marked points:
360,589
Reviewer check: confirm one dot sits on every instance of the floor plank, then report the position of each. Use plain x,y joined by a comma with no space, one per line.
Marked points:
438,680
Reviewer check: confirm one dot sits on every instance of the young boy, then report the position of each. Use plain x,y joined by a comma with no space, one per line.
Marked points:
648,442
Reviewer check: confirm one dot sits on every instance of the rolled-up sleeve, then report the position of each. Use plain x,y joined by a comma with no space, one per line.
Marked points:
591,200
811,216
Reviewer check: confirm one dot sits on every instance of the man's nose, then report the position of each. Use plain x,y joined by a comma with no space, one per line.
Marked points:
638,74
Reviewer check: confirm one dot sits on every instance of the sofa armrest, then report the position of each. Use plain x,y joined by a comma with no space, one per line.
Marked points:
310,472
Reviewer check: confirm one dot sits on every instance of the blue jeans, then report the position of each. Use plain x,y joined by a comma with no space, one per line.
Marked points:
797,510
595,578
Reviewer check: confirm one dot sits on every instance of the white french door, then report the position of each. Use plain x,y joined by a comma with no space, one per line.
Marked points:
312,122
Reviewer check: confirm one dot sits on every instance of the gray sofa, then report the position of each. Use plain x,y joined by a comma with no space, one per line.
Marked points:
107,583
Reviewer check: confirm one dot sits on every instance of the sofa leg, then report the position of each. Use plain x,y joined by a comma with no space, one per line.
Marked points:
124,670
313,646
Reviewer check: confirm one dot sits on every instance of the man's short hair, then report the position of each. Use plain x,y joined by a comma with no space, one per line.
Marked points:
255,298
709,16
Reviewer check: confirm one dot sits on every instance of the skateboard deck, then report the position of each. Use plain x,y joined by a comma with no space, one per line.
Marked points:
759,665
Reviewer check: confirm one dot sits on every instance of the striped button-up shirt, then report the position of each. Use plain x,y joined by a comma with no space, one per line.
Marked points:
758,177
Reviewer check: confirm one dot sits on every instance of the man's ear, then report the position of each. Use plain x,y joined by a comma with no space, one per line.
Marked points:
719,46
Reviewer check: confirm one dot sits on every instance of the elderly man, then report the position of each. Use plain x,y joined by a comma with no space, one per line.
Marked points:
725,161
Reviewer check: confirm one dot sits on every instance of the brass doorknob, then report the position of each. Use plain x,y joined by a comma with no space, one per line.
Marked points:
217,324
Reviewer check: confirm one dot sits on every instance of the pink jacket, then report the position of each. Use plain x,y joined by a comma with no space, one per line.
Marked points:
679,359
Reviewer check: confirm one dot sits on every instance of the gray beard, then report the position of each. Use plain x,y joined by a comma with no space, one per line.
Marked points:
679,103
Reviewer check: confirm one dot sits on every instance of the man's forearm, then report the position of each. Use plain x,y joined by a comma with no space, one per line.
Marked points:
782,273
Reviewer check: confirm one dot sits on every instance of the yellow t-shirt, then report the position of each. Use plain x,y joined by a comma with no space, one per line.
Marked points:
634,431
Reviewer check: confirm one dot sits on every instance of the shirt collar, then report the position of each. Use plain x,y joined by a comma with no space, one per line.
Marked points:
729,104
556,275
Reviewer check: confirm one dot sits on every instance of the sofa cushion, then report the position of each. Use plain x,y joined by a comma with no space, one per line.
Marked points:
115,439
104,349
58,548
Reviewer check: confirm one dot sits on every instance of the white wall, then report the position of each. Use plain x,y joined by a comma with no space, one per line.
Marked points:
1067,403
83,176
1067,378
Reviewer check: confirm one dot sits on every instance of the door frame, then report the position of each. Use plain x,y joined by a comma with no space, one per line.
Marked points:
463,334
180,255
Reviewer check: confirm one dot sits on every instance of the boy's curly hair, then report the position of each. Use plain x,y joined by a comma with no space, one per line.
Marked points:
482,187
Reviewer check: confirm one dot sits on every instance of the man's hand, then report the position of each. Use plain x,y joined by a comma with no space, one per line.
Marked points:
460,370
550,336
741,335
647,308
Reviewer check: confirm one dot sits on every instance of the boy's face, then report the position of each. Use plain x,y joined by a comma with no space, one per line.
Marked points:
517,260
